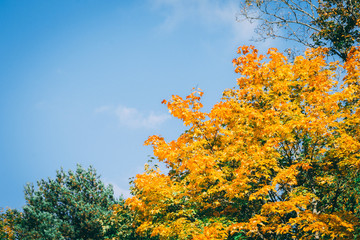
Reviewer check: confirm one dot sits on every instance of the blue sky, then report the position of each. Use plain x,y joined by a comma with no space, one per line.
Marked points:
82,81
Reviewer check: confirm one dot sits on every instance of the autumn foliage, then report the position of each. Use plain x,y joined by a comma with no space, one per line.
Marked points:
277,158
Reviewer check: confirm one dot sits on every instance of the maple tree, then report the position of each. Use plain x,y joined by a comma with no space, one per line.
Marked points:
277,158
327,23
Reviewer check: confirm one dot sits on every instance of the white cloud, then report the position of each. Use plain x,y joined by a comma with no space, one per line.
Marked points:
118,191
133,118
211,13
102,109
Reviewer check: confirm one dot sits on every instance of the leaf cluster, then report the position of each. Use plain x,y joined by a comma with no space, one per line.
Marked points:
74,205
276,158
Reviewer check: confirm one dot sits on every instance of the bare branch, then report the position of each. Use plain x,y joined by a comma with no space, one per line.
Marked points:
332,24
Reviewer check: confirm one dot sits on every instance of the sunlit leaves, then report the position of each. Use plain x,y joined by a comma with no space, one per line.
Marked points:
274,159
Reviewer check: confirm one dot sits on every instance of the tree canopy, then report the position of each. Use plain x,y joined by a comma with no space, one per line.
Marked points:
74,205
326,23
276,158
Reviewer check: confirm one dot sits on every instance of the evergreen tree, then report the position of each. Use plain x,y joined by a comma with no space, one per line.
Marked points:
74,205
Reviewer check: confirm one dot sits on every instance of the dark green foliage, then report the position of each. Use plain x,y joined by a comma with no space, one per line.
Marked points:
338,23
8,220
121,225
356,194
75,205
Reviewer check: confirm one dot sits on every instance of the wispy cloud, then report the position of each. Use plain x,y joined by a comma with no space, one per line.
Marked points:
118,191
102,109
133,118
211,13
